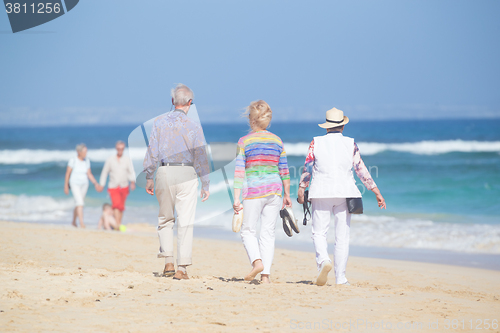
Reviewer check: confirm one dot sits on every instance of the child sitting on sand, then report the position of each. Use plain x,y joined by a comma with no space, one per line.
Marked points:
107,220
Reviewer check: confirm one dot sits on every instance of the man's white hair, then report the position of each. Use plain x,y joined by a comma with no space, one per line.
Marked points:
120,142
80,147
181,94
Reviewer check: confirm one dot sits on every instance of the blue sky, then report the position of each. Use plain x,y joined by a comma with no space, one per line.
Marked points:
115,61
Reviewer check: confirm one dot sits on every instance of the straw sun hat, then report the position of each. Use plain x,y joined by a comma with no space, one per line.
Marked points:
334,118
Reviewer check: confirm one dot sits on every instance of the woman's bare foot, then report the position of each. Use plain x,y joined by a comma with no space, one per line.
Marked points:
257,268
74,224
264,278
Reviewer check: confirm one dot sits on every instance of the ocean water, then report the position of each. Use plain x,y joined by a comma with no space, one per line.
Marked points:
440,179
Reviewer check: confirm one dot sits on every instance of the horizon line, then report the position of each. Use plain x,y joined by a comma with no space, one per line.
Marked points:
243,121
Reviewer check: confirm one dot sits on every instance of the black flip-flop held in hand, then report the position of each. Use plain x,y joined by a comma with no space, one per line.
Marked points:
289,221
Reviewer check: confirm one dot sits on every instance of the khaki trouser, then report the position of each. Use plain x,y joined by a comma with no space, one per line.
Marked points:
176,190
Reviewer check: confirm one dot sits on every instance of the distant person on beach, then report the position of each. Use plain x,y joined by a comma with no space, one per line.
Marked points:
107,220
121,174
177,145
77,178
329,161
262,172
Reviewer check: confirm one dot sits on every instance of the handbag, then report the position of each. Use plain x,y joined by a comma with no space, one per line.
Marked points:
355,205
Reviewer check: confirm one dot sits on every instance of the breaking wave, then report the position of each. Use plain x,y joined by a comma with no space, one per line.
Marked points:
38,156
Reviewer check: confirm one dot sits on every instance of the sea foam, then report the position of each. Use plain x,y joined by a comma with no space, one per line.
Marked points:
365,230
418,148
38,156
34,208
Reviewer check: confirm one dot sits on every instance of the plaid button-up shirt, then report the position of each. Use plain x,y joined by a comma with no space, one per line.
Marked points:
175,138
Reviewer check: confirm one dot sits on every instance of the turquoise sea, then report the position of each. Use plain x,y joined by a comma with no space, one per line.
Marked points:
440,179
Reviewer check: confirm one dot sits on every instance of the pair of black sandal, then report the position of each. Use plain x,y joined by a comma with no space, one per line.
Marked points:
289,221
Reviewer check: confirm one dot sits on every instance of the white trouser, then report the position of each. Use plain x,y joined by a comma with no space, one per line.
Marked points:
266,209
176,189
79,192
321,212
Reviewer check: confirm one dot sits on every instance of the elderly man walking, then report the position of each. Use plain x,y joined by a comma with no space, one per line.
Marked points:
177,149
121,173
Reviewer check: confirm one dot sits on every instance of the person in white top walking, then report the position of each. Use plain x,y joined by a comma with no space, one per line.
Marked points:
77,178
121,173
329,161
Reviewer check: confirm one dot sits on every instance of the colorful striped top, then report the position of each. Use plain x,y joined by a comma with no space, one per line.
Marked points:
261,165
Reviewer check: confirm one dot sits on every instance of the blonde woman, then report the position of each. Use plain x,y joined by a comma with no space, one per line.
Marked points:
262,173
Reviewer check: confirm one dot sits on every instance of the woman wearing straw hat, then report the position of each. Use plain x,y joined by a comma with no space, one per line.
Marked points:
329,161
262,172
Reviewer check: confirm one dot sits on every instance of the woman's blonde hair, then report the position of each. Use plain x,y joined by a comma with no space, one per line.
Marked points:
259,115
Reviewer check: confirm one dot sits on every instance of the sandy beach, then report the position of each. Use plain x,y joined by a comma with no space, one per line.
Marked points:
63,279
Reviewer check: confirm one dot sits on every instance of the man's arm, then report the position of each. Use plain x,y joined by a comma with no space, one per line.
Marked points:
200,163
151,159
104,173
131,174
